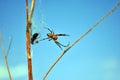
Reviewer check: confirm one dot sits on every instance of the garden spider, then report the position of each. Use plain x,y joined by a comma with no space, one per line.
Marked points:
54,37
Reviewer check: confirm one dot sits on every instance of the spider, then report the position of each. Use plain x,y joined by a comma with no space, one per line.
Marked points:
34,37
54,37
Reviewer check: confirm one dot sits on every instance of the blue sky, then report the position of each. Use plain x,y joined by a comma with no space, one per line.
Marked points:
95,57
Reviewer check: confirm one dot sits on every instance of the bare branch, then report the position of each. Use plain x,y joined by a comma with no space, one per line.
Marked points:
5,57
31,10
9,46
26,10
28,34
89,30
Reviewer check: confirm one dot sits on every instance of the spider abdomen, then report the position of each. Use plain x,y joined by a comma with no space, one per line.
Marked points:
54,37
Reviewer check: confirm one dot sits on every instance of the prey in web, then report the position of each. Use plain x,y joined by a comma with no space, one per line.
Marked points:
34,38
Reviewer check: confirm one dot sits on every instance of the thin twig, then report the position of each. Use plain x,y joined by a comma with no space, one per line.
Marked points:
28,34
89,30
26,10
31,10
9,46
5,57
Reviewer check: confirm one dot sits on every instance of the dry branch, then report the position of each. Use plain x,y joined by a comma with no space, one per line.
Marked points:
9,46
31,10
88,31
5,57
28,34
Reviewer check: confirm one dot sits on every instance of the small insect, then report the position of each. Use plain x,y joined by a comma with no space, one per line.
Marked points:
34,38
54,37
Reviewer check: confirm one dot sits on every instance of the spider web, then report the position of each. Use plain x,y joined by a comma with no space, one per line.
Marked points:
37,17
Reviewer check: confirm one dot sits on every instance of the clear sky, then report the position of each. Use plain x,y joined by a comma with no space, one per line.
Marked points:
95,57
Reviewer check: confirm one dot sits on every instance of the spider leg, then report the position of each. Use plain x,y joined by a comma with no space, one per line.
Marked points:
58,44
61,34
37,41
44,39
63,45
51,31
50,39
